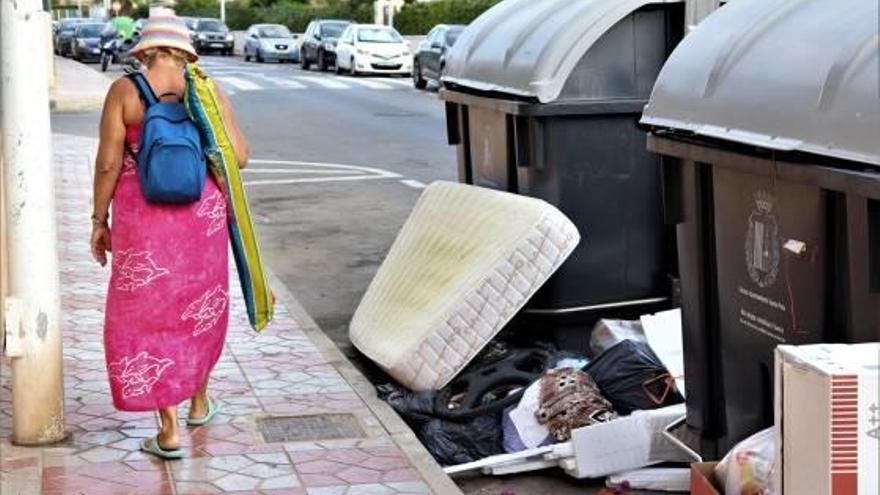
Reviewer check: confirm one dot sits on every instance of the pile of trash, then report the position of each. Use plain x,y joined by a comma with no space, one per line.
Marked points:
519,409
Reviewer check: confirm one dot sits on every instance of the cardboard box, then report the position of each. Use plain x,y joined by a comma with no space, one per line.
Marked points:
828,419
703,479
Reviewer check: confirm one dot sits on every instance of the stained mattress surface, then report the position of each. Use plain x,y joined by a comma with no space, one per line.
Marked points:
464,263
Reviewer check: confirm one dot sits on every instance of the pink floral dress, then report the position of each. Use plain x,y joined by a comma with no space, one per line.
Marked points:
168,299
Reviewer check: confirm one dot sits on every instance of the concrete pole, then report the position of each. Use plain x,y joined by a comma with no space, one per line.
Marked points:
697,10
223,10
32,316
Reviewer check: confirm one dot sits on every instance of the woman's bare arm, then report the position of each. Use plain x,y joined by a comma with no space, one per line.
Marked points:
108,166
239,144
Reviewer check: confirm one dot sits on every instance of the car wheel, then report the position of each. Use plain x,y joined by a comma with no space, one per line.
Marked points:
337,68
305,63
259,56
247,58
418,81
322,62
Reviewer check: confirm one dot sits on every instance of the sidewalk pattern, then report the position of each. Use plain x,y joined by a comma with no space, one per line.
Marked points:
278,373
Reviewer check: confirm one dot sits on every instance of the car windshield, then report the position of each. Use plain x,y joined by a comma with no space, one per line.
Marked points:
68,25
452,36
90,30
378,35
215,26
333,29
273,32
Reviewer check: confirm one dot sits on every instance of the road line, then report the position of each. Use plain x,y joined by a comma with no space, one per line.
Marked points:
399,82
345,173
279,81
294,171
368,83
413,183
324,82
242,84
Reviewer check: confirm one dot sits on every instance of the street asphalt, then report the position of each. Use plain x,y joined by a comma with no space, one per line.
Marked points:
337,163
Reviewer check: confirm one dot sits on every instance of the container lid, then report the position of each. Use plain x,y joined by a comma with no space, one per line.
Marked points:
529,48
794,75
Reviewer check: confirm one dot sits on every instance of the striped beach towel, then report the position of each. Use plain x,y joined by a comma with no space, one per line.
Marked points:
203,105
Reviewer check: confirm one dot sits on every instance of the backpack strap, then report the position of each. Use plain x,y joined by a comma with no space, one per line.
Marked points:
144,89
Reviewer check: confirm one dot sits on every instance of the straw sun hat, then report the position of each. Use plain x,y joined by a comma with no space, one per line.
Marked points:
165,32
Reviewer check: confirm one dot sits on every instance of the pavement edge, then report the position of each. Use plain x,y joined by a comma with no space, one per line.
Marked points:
438,481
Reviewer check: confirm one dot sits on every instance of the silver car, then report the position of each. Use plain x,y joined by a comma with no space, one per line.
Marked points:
270,42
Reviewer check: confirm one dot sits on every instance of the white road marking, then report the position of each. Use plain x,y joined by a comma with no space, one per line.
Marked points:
399,82
292,171
324,82
282,82
372,84
413,183
349,172
242,84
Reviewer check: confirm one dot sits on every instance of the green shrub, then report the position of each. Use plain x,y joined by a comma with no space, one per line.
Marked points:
419,18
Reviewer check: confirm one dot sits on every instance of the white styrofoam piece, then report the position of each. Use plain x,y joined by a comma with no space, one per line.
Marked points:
630,442
465,262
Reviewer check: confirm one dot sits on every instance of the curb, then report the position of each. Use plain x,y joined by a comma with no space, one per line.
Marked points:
400,433
80,104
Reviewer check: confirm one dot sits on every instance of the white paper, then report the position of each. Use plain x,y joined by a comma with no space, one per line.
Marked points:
663,331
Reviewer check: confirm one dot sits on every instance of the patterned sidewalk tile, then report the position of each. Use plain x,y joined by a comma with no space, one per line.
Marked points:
233,473
402,488
333,467
133,478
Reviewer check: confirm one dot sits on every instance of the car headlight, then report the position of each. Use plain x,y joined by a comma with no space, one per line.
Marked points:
229,37
81,43
203,36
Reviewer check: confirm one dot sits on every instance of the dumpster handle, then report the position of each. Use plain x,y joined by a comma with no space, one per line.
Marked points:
577,309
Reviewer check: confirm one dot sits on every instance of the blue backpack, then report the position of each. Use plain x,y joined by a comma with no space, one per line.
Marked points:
171,161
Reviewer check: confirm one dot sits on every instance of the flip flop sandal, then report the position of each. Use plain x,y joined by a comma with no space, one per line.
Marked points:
213,409
151,446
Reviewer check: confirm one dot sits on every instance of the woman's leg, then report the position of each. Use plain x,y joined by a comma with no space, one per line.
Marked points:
198,406
169,435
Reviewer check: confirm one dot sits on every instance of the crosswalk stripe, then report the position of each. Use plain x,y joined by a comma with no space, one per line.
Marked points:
284,83
324,82
241,84
399,82
372,84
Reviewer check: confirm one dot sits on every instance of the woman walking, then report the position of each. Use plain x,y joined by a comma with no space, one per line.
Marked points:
167,301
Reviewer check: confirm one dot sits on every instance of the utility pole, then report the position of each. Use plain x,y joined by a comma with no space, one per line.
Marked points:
223,11
697,10
32,308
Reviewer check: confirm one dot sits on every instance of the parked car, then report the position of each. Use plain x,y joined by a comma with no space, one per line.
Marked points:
139,27
213,35
85,44
429,60
373,48
63,34
319,43
270,42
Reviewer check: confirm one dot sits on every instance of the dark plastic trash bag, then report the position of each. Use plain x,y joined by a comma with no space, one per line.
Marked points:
450,442
633,378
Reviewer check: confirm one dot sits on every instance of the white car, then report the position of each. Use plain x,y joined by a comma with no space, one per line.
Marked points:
373,49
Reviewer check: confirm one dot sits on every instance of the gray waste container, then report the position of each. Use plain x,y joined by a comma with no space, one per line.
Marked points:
543,99
768,117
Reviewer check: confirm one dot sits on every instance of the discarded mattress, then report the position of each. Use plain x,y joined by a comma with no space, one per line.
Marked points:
465,262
